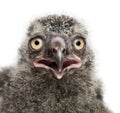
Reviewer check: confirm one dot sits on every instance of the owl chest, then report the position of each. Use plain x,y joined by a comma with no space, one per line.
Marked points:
42,98
36,102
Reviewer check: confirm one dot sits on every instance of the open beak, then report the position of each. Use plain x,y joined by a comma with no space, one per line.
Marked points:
59,66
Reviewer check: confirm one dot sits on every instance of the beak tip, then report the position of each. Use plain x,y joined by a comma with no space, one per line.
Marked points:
59,76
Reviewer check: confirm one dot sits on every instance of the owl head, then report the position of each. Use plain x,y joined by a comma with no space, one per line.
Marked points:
57,47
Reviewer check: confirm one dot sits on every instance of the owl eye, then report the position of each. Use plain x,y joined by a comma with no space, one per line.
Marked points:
36,43
79,43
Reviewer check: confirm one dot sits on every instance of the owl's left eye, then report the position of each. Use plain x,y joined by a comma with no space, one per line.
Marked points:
79,43
36,43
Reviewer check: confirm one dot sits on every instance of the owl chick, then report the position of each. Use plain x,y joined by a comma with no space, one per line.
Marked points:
54,72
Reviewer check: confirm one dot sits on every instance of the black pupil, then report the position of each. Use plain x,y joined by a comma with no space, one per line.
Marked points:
37,42
78,43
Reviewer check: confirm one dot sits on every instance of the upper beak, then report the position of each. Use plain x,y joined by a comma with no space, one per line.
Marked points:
59,58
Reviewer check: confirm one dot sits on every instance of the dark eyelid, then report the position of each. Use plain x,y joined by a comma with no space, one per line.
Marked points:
78,36
75,36
38,35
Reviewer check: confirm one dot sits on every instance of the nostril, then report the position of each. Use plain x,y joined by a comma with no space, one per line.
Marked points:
64,50
54,50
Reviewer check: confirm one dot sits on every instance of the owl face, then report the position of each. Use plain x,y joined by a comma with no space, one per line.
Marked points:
57,53
56,44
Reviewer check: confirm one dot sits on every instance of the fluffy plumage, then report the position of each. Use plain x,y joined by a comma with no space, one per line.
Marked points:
25,88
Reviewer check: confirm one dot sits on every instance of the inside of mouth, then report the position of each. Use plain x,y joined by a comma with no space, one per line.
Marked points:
49,64
54,66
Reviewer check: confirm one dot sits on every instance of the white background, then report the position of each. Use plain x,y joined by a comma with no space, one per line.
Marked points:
101,17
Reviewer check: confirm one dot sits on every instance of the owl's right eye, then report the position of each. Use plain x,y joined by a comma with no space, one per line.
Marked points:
36,43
